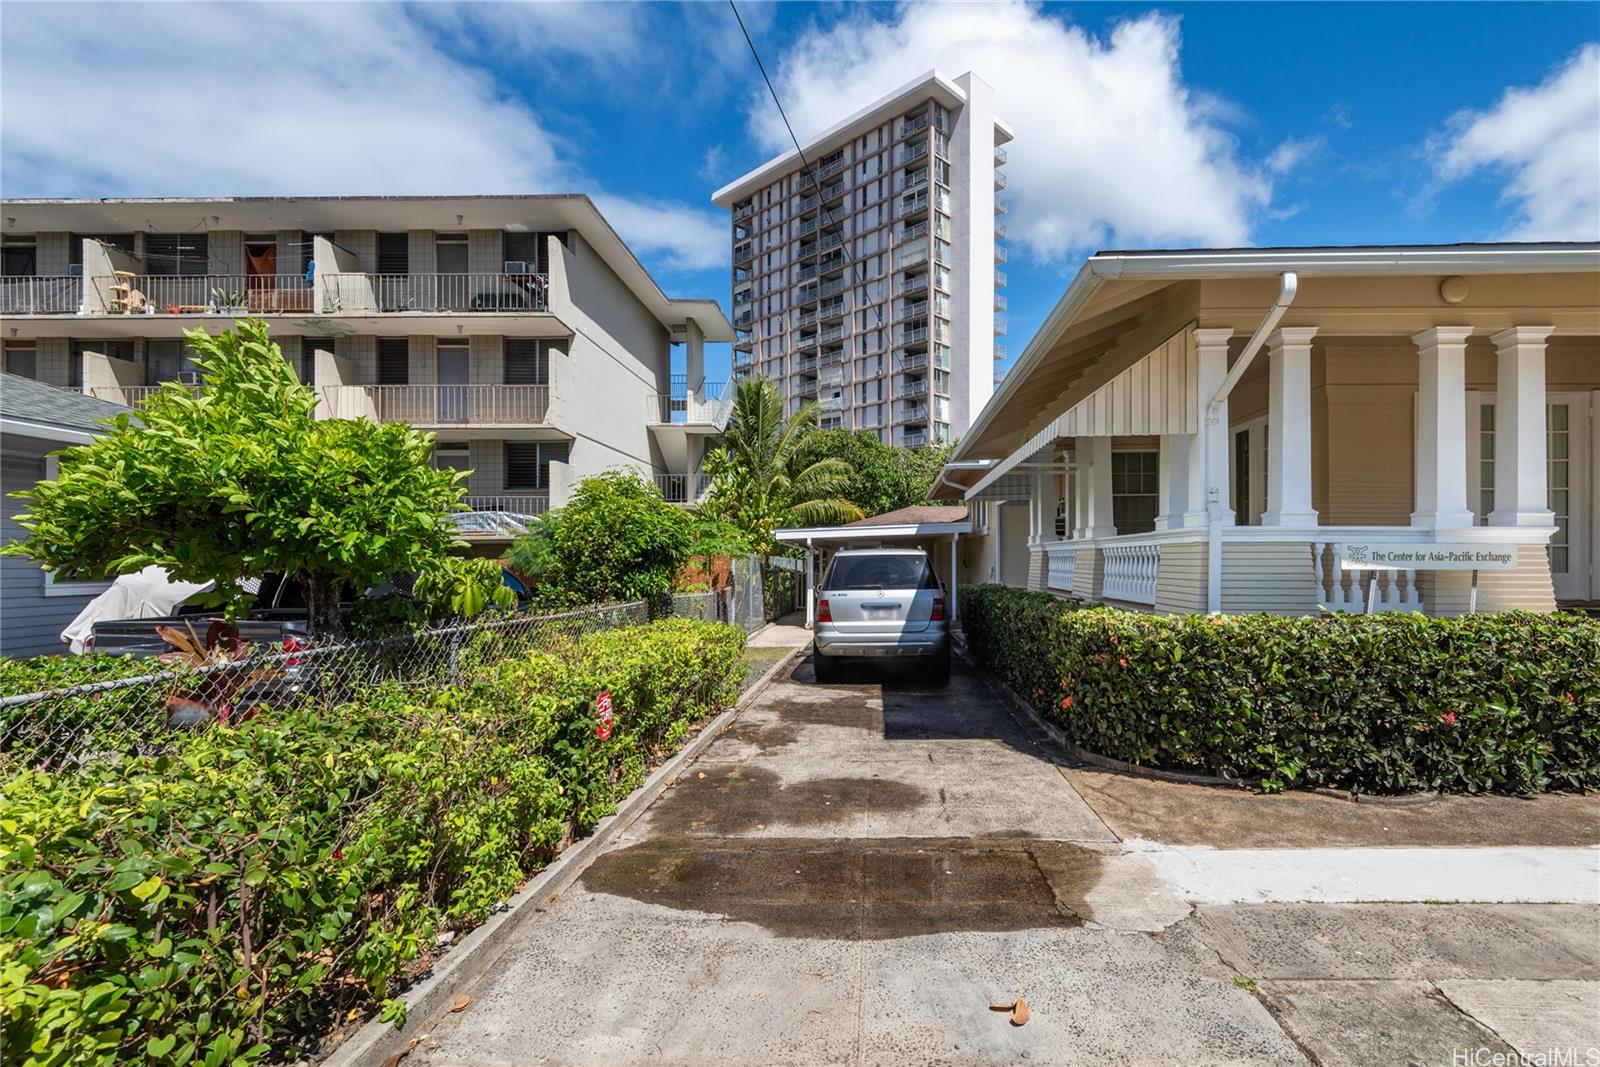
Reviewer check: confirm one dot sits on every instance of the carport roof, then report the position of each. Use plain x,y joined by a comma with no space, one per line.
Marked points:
912,522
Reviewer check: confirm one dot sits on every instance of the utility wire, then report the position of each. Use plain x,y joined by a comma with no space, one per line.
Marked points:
844,246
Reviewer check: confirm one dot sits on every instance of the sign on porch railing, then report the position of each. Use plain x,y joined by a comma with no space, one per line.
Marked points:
1440,556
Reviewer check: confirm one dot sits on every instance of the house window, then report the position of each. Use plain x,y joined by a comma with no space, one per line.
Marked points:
169,361
450,253
528,464
1135,491
527,362
19,257
22,361
394,361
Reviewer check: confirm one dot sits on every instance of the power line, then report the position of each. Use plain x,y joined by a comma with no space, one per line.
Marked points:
844,246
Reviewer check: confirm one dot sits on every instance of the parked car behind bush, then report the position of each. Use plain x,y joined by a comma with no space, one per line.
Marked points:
1384,703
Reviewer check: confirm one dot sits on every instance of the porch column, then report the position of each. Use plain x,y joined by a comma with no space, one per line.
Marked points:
1442,429
994,537
1521,493
1208,451
1289,428
694,367
811,589
1046,495
1098,521
955,572
1174,475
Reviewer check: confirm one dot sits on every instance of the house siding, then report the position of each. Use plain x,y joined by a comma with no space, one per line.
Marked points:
30,622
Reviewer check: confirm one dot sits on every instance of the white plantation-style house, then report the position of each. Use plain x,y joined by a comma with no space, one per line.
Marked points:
1298,429
521,330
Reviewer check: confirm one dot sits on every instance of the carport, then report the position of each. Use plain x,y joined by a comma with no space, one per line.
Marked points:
932,528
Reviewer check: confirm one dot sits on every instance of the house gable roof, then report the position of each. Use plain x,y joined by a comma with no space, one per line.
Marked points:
26,405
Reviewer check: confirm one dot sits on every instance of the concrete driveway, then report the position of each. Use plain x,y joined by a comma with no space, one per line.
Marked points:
853,873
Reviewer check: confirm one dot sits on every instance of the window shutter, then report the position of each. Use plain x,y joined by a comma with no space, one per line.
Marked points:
394,361
522,465
394,253
527,362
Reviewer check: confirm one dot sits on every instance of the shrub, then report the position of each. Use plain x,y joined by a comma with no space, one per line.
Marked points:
1381,703
616,539
232,898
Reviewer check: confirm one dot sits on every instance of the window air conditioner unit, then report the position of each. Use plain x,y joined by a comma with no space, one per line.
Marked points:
517,266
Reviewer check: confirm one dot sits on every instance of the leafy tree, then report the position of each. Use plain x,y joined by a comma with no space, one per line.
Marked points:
763,477
883,478
615,540
241,480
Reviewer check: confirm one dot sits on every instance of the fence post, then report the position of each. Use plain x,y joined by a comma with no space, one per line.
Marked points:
455,658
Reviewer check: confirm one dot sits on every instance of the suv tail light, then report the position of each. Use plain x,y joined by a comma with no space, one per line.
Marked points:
823,613
938,609
291,643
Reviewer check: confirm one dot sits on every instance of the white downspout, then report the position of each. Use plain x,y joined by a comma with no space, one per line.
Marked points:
1289,283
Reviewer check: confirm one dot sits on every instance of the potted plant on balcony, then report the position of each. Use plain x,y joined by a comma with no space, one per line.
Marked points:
229,302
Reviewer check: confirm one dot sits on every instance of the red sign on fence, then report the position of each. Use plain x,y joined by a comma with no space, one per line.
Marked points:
602,715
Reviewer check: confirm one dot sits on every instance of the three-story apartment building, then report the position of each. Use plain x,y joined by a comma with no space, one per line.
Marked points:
520,330
864,263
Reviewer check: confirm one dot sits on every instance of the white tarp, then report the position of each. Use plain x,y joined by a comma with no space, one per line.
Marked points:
146,594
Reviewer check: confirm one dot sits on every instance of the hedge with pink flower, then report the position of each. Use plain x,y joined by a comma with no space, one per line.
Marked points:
1388,703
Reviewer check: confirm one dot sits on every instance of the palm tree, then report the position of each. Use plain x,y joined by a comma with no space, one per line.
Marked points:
762,477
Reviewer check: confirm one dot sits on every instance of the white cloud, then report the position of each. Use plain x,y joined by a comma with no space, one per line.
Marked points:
1293,152
1111,144
281,99
684,238
1545,140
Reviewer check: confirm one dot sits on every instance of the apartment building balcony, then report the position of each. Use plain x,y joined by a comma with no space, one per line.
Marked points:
514,293
912,231
683,488
134,396
807,317
831,357
999,156
744,211
833,192
914,309
805,364
498,407
806,227
830,333
914,438
912,388
806,389
831,422
1001,205
831,240
1001,254
916,283
833,310
829,264
999,302
914,179
199,294
912,335
709,405
832,286
916,205
911,255
914,361
747,319
1000,229
744,252
999,350
829,169
59,294
912,152
806,272
999,328
915,126
522,505
999,180
999,279
912,410
807,202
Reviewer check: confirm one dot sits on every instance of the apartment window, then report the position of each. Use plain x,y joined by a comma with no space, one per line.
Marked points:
394,253
394,361
22,361
527,362
169,361
530,248
173,255
307,370
1135,491
527,464
19,257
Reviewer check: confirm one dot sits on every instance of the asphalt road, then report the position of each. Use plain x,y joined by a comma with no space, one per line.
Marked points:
854,873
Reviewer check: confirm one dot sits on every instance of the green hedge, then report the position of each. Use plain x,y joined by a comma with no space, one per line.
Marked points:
238,897
1385,703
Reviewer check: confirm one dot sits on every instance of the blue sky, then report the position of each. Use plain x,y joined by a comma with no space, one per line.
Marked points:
1137,126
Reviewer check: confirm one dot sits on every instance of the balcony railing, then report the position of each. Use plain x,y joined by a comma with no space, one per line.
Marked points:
915,284
914,309
830,240
442,405
57,294
833,310
836,285
808,202
914,438
711,405
434,292
201,294
913,335
805,364
999,302
915,205
917,387
999,156
914,361
999,229
999,180
999,279
831,263
999,350
523,504
915,125
1000,254
683,488
1063,566
744,211
744,253
914,151
1001,205
1130,572
828,170
132,396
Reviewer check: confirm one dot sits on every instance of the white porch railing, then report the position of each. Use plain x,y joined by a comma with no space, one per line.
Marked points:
1062,557
59,294
132,396
1341,590
350,292
216,294
1130,572
711,404
683,488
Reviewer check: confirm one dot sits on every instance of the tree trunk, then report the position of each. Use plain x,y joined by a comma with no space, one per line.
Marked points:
322,606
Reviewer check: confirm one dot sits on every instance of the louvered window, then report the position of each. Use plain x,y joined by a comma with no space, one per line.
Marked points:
532,249
394,361
527,362
394,253
528,464
175,254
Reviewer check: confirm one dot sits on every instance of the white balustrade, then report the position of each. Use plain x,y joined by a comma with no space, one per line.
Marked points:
1130,572
1062,557
442,405
1342,590
511,504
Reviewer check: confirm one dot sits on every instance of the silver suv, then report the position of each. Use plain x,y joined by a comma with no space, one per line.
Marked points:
881,602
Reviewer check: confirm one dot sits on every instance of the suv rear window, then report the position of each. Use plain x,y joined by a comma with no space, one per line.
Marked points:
880,572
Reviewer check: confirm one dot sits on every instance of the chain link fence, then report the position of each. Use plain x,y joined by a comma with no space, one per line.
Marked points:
194,686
